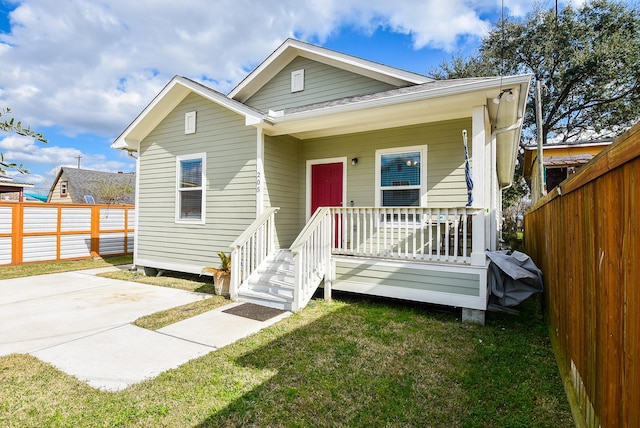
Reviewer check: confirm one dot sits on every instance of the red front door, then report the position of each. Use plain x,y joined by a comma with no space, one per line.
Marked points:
326,185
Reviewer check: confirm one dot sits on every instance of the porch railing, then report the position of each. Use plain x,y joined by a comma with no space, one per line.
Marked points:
312,258
409,233
251,248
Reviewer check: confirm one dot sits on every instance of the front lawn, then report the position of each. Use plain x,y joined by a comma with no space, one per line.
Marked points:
30,269
353,362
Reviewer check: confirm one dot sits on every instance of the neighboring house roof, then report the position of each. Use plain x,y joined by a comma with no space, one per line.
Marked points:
8,181
83,182
11,189
564,155
35,197
417,99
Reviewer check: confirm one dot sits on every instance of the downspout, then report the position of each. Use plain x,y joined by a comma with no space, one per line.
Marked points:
494,134
494,178
137,210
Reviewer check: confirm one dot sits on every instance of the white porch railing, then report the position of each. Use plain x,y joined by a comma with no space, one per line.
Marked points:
410,233
312,258
252,248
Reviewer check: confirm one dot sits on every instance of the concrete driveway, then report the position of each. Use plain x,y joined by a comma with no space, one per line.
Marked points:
81,324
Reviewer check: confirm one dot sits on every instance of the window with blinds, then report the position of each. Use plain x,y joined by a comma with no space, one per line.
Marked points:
190,189
400,179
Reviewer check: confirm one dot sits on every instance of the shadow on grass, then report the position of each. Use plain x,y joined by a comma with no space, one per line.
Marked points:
384,363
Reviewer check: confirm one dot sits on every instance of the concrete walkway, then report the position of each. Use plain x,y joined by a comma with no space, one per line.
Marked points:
81,324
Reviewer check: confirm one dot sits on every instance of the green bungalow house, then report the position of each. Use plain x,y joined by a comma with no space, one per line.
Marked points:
323,169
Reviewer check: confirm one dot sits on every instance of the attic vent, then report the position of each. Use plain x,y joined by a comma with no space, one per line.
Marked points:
297,80
190,122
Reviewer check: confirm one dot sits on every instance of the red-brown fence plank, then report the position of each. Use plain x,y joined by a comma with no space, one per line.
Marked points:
586,240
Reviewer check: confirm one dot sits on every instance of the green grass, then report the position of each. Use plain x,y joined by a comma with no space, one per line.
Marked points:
353,362
188,282
182,281
30,269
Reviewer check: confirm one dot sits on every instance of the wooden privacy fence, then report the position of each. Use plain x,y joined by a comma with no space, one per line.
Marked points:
585,236
32,232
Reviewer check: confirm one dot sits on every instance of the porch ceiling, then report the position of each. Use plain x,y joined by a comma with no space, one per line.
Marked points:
421,104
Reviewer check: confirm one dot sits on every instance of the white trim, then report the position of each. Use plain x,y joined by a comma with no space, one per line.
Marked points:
177,267
137,213
203,189
292,48
190,122
423,171
171,95
437,297
412,294
297,80
312,162
260,179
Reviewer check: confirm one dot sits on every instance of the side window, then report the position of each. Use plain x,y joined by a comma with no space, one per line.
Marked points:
64,188
400,177
190,191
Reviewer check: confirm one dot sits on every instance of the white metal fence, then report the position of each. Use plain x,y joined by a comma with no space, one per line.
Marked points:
45,232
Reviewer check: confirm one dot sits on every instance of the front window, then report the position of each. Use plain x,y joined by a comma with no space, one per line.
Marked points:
190,188
64,188
400,180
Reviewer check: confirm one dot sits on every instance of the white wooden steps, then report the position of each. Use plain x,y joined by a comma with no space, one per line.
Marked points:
273,283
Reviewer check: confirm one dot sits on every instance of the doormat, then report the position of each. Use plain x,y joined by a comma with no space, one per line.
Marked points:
254,312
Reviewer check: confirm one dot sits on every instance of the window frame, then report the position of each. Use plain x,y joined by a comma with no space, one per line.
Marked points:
179,191
423,174
64,188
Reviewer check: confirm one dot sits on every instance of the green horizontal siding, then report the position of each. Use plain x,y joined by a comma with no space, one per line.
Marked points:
446,186
230,148
466,284
322,83
283,172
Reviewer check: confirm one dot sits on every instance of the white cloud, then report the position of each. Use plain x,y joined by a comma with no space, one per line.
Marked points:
24,150
92,66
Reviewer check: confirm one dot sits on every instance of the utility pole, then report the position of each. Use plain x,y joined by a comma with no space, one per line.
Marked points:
78,157
540,171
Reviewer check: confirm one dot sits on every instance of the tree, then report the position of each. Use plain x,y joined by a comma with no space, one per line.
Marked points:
587,59
113,192
11,126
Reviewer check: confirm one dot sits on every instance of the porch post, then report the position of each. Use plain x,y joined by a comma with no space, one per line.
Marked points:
327,235
259,172
478,150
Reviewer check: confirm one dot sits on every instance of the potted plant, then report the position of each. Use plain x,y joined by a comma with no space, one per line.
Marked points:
221,275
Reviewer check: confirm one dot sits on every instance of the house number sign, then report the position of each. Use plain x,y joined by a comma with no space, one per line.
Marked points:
258,182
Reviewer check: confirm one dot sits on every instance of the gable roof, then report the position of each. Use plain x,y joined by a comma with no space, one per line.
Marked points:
416,99
171,95
83,182
292,48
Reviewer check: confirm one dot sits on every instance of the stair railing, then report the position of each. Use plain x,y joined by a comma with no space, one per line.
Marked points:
312,258
251,248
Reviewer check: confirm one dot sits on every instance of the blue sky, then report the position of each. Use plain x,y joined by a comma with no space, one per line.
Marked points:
80,71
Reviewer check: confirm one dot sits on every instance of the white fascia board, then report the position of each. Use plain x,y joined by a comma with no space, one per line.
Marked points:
222,100
407,97
358,65
292,48
170,96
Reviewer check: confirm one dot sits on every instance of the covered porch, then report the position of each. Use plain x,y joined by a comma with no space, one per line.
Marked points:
433,255
372,196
